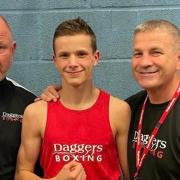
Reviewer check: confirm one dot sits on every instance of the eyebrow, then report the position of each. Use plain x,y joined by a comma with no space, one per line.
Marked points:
136,49
156,48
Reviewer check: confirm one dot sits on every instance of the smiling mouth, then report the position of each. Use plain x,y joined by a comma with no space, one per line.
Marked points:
73,72
148,72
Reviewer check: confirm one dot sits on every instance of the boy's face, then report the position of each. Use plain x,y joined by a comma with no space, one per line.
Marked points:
75,59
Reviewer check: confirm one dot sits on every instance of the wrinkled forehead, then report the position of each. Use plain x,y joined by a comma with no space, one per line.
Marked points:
149,39
154,35
157,36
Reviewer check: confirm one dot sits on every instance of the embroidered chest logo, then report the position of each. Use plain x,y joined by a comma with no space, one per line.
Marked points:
11,117
77,152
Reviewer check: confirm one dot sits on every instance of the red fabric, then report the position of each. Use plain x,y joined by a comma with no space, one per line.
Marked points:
83,135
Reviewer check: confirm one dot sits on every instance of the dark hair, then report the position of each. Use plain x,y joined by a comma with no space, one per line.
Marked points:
73,27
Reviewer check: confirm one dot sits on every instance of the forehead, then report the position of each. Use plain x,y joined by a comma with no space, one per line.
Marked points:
79,40
4,30
76,37
157,37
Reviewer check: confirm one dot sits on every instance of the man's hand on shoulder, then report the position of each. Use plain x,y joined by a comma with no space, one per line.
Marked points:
50,93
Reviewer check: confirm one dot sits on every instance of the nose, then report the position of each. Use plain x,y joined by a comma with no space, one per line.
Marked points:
145,60
72,61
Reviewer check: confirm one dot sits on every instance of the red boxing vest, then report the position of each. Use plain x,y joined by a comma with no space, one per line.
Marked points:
80,135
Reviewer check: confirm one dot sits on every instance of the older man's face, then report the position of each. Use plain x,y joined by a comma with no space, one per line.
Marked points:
7,48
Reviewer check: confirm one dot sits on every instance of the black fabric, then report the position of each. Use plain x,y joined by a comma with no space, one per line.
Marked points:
163,161
13,100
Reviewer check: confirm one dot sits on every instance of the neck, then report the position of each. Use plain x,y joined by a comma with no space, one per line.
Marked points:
78,98
164,93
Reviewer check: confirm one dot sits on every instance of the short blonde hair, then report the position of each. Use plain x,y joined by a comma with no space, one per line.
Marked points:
160,24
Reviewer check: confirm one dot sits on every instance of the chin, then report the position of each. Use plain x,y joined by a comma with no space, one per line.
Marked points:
75,84
148,84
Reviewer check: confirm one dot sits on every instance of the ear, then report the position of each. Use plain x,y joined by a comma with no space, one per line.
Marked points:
13,50
13,47
96,57
53,57
54,60
178,60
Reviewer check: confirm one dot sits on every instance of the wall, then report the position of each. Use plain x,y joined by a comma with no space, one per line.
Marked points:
33,23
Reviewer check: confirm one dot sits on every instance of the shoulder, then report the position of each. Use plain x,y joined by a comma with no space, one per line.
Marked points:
35,115
136,99
21,92
118,105
120,114
36,109
35,106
